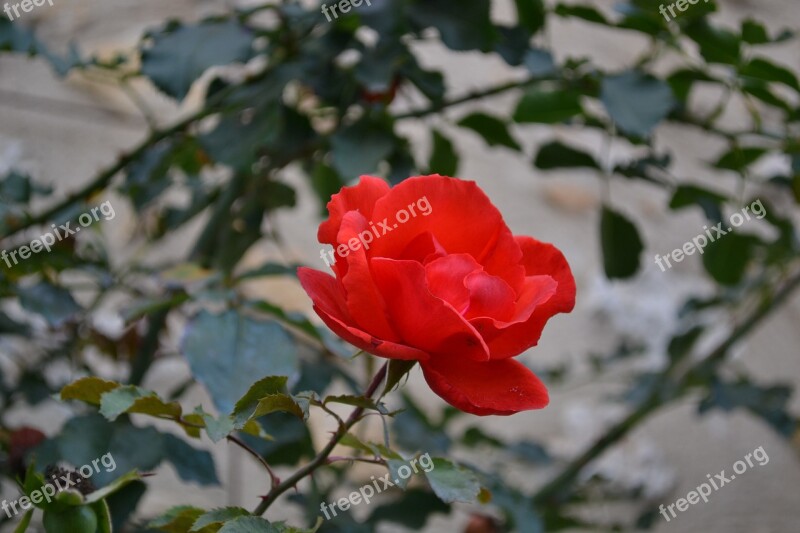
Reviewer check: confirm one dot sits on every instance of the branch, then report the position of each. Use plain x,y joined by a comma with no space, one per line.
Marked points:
551,493
322,457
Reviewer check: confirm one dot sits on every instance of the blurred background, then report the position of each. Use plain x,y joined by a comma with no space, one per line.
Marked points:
63,129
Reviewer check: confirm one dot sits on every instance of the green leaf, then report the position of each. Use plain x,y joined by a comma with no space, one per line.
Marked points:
762,69
753,32
132,399
726,259
22,527
737,158
246,406
463,26
248,524
453,483
547,106
179,55
113,487
357,401
192,465
557,155
226,352
103,514
274,403
717,45
769,403
709,201
444,159
493,130
177,519
217,429
358,149
621,244
89,390
636,102
531,14
55,304
411,511
587,13
218,517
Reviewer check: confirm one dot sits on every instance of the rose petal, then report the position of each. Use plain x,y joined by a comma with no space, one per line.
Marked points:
489,296
330,305
361,197
446,279
501,387
461,217
364,301
540,259
422,319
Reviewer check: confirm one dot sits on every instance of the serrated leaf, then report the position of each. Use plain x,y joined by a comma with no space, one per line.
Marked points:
132,399
177,519
248,524
218,517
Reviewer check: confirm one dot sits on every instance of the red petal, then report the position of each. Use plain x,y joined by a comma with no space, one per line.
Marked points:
330,305
446,277
500,387
360,197
461,217
489,296
540,259
364,301
423,320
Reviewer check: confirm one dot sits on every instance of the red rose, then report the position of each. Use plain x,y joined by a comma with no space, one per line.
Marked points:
429,271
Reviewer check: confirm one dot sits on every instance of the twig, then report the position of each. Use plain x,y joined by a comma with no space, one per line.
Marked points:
273,479
321,458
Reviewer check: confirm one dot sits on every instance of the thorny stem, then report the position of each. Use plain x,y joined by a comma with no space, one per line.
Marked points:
322,457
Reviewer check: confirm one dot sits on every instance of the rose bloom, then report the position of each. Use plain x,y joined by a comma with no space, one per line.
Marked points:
451,288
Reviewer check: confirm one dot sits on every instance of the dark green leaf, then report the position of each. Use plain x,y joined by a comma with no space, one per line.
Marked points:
753,32
717,45
582,12
411,511
218,517
179,55
531,14
493,130
359,148
55,304
621,244
710,202
763,69
737,159
463,25
190,463
444,159
398,369
557,155
726,259
547,106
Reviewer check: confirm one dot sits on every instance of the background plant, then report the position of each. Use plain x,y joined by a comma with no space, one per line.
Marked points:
328,98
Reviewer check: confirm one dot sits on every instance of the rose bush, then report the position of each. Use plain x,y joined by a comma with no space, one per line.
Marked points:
455,290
